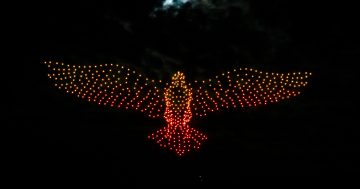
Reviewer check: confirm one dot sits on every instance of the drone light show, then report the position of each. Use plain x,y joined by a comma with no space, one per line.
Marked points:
178,100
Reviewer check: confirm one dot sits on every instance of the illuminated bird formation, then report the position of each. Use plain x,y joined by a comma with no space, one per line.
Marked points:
177,101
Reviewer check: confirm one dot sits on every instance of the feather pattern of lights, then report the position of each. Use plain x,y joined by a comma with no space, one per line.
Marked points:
178,101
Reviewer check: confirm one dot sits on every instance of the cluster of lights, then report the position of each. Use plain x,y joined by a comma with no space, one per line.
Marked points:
179,101
245,87
177,135
109,84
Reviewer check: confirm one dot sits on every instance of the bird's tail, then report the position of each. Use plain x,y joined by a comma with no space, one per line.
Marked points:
178,139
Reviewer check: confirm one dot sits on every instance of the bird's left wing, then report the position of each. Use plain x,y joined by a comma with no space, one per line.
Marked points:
245,87
109,84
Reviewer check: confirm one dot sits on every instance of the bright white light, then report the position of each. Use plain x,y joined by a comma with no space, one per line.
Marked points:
168,3
174,3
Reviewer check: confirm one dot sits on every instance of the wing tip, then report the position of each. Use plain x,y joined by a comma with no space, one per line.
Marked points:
53,63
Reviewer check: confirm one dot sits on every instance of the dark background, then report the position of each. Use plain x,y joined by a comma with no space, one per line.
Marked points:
50,135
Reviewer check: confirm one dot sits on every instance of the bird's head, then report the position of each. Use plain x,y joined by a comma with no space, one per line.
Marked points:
178,95
178,86
178,79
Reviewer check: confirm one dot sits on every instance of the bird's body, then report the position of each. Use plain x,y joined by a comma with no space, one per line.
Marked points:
179,101
178,135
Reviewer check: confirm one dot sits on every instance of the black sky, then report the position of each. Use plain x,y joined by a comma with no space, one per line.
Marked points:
51,135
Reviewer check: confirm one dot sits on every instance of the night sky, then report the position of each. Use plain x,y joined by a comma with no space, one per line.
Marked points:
52,135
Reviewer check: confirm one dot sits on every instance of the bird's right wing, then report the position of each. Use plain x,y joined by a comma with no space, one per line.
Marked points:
245,87
109,84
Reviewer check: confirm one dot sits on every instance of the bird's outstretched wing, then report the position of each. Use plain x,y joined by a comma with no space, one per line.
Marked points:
245,87
109,84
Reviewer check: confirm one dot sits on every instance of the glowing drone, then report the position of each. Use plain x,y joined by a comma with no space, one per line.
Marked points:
177,101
